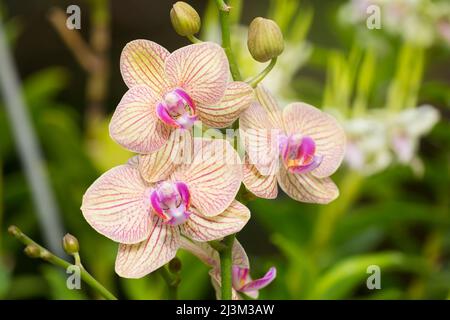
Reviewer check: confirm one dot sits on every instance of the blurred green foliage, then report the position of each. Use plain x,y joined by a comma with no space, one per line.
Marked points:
393,219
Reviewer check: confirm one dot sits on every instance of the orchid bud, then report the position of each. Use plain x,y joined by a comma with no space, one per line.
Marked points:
70,244
32,251
185,20
14,231
265,40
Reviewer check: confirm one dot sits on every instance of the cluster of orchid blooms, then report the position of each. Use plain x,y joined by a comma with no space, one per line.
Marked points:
180,190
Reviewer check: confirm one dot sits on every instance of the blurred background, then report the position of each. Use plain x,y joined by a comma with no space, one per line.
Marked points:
389,87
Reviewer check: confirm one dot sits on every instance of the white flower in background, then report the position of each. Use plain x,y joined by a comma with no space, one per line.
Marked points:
420,22
367,144
376,139
406,129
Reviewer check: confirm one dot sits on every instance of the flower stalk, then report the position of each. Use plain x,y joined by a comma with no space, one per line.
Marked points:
225,267
37,251
224,18
172,280
260,77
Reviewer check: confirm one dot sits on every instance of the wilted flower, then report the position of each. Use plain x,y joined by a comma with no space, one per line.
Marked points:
241,280
196,200
309,143
173,90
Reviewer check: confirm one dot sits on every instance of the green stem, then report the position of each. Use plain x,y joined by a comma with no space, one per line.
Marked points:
224,17
172,282
194,39
57,261
258,78
225,267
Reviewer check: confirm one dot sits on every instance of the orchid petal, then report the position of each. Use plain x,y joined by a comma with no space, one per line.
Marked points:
159,165
138,260
213,176
307,188
260,283
261,186
237,98
116,205
201,70
327,133
142,63
201,228
268,102
135,125
260,139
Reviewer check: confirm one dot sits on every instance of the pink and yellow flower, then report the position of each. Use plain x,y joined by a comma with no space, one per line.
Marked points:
172,90
148,219
299,147
241,280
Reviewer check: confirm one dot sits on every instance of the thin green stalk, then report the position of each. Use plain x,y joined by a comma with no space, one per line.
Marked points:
194,39
224,18
172,282
225,267
57,261
259,77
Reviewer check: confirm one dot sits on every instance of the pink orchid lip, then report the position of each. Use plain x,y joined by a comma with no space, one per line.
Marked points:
298,153
171,201
177,109
242,281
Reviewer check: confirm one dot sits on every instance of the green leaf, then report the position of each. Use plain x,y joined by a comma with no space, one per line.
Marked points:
344,277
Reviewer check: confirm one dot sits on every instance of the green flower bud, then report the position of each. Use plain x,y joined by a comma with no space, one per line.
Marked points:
175,265
32,251
185,20
265,40
70,244
14,231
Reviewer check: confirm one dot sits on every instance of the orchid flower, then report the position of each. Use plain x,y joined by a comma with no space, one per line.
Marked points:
241,280
309,143
168,91
196,200
406,129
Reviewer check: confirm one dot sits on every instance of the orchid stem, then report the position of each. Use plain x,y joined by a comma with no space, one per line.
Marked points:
259,77
194,39
172,282
57,261
224,17
225,267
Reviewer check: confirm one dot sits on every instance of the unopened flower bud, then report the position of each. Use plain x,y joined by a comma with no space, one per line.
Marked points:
175,265
14,231
185,20
32,251
265,40
70,244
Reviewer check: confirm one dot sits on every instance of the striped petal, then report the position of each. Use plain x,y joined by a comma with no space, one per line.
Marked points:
117,206
326,132
261,186
307,188
159,165
201,228
135,125
142,63
237,98
138,260
269,103
260,139
201,70
213,176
